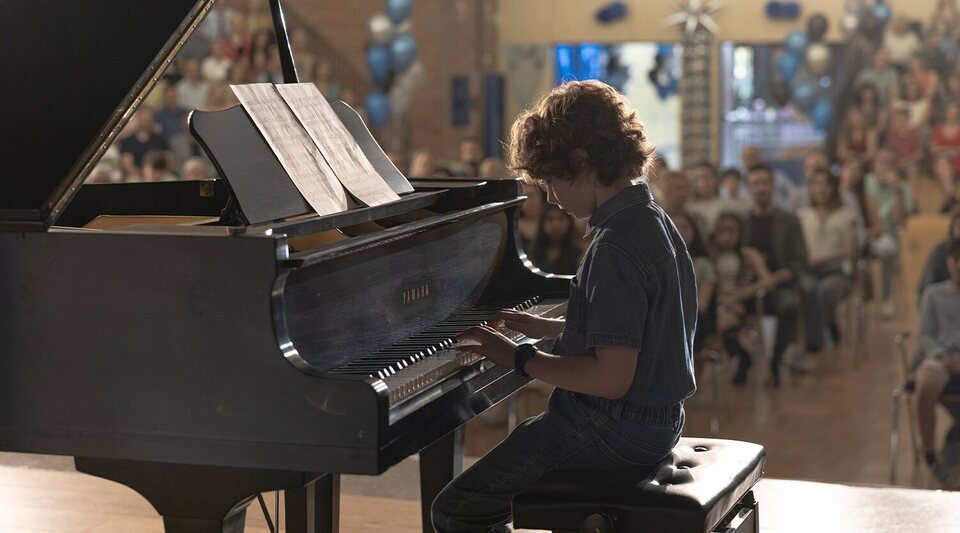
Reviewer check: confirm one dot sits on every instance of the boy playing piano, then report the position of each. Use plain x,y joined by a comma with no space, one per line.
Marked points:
622,362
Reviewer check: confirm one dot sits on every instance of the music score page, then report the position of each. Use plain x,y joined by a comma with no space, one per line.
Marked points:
296,151
340,149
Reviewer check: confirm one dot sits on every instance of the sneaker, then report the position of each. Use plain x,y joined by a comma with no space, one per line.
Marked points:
943,474
951,447
886,309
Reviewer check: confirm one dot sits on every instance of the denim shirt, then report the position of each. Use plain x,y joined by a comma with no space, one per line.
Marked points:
636,289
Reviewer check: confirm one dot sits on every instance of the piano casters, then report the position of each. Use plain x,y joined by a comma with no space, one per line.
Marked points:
440,462
213,499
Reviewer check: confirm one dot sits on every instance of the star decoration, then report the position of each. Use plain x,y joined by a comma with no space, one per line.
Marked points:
694,13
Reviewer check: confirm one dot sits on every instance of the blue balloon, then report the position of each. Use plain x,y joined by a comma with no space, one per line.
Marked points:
611,12
803,94
787,66
399,10
822,114
797,42
882,13
791,11
774,10
377,106
404,51
379,62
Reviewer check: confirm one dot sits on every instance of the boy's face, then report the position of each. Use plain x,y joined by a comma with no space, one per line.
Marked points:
576,196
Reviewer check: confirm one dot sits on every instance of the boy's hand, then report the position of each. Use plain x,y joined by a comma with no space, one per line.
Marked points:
489,343
532,326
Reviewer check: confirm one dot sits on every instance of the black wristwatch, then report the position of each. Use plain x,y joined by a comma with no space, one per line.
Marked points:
523,353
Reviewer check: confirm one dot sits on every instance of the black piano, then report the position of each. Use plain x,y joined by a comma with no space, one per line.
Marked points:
204,342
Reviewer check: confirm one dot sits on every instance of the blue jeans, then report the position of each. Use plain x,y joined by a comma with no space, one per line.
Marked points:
575,431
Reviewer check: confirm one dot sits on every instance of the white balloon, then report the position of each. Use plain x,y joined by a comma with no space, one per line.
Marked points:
818,58
849,22
381,28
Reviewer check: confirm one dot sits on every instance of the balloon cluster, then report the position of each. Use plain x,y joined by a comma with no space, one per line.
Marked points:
390,55
801,67
663,75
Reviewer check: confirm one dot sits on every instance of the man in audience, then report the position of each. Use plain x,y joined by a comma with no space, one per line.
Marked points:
935,269
191,89
881,75
777,235
471,154
939,373
750,157
170,117
675,197
144,138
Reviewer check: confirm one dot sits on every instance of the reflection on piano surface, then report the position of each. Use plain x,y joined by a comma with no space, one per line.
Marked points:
221,342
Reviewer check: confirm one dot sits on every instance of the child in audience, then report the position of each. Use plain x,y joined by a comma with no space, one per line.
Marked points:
737,268
939,373
623,356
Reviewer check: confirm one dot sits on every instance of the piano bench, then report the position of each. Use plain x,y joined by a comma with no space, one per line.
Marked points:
704,486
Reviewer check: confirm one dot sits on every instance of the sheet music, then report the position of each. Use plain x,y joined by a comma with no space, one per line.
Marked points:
336,144
296,152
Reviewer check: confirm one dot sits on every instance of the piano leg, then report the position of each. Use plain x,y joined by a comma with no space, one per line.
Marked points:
191,498
314,508
440,462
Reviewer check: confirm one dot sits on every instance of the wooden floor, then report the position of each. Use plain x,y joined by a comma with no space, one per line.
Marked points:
832,425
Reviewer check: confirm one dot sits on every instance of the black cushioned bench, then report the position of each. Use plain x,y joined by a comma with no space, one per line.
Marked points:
703,486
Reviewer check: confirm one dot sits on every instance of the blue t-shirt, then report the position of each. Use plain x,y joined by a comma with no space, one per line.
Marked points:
636,289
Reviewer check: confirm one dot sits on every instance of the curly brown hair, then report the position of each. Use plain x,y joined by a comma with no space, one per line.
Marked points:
589,115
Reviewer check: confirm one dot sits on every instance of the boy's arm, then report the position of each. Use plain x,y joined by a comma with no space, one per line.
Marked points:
607,373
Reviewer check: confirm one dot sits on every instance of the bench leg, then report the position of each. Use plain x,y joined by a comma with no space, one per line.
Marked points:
743,518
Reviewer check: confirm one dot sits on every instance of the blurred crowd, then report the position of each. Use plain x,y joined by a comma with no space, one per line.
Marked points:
235,44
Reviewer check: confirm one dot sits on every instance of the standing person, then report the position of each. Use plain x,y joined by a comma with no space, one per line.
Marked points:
894,202
623,357
777,235
939,373
828,230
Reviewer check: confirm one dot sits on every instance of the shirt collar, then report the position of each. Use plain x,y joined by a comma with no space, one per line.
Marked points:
629,196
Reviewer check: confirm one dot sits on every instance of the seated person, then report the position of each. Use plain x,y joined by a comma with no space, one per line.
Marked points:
894,201
777,235
554,250
939,373
705,273
828,229
740,273
935,269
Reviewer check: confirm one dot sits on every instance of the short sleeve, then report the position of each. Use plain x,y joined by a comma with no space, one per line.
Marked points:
616,302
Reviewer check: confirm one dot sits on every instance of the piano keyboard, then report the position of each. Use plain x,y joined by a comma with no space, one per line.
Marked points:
421,361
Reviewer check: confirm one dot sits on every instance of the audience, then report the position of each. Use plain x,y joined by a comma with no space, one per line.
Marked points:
777,235
828,230
707,204
939,373
783,186
935,269
881,75
894,201
144,138
740,273
554,250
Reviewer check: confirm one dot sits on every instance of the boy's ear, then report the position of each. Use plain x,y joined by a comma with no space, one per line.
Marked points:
579,160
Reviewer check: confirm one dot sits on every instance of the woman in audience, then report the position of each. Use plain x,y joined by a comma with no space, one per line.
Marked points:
915,103
900,42
868,102
739,273
945,147
907,143
828,230
927,79
554,250
856,140
854,196
705,273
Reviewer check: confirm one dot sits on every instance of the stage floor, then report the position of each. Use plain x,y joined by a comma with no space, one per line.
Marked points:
34,500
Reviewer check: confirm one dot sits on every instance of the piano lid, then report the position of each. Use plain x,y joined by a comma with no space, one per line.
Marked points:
74,73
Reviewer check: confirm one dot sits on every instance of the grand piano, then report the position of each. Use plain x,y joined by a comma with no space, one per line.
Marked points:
203,342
